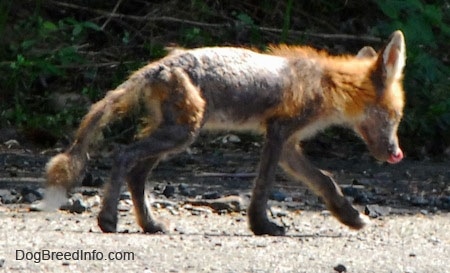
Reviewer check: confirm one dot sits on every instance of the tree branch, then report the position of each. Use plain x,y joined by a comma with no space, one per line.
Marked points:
110,15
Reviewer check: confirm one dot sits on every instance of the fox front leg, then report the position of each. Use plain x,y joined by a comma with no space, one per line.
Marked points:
295,163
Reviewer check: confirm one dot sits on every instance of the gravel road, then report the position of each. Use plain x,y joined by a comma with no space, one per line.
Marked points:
411,233
208,242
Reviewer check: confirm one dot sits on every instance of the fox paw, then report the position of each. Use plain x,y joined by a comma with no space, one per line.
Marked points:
156,227
267,228
107,223
350,217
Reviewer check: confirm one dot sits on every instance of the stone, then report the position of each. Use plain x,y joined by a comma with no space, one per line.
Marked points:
8,196
340,268
169,191
29,194
211,195
278,196
375,210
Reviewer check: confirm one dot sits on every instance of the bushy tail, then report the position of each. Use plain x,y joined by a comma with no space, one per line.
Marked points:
64,169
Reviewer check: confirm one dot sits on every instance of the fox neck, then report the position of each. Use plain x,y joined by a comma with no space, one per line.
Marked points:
347,88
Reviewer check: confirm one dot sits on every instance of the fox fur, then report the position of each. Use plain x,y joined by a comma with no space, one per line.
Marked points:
288,94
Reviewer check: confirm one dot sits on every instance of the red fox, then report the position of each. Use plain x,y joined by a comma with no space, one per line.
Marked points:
288,94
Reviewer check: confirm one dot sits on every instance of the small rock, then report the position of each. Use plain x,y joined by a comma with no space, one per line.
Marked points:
443,202
184,190
8,196
89,192
340,268
351,191
419,201
88,180
93,201
12,143
375,211
278,212
29,195
126,195
325,213
124,206
211,195
76,204
161,203
29,198
98,182
231,203
79,206
169,191
278,196
2,262
357,193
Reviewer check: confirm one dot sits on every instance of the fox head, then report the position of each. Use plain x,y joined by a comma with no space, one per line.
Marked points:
380,118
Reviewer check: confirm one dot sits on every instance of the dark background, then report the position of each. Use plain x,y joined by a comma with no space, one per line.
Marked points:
52,50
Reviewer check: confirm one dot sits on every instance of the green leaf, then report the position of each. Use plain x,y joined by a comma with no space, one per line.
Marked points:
91,26
389,8
244,18
77,30
27,44
434,14
49,26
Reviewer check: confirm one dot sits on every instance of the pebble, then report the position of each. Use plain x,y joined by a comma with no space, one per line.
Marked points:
8,196
169,191
340,268
79,206
358,194
419,201
89,181
278,196
211,195
29,195
126,195
375,211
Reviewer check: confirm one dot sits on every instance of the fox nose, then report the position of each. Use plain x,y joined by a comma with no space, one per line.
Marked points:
395,154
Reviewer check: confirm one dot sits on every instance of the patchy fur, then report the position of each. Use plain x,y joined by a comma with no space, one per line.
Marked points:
289,94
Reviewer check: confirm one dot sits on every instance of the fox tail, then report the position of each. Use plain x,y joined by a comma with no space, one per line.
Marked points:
64,169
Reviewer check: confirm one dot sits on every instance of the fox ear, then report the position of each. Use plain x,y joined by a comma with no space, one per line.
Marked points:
393,57
366,52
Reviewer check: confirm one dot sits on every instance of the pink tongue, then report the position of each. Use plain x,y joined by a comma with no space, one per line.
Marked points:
395,158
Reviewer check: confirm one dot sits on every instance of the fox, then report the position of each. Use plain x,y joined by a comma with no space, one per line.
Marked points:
287,93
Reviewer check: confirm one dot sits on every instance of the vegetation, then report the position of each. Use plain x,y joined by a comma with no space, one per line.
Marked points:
51,47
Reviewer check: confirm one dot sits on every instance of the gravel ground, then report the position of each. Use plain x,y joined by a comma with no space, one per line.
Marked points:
409,203
208,242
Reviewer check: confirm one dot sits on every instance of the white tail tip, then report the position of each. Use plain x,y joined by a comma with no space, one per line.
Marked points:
54,198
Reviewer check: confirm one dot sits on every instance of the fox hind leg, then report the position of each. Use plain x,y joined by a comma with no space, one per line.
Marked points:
129,162
136,184
257,211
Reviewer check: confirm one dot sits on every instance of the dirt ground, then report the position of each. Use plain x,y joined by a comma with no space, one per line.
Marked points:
409,204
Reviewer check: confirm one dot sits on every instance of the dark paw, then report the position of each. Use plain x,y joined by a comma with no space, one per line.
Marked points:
155,227
265,227
107,223
349,216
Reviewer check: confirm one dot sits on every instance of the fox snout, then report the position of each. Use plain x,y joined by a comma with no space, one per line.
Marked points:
388,151
381,139
395,154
